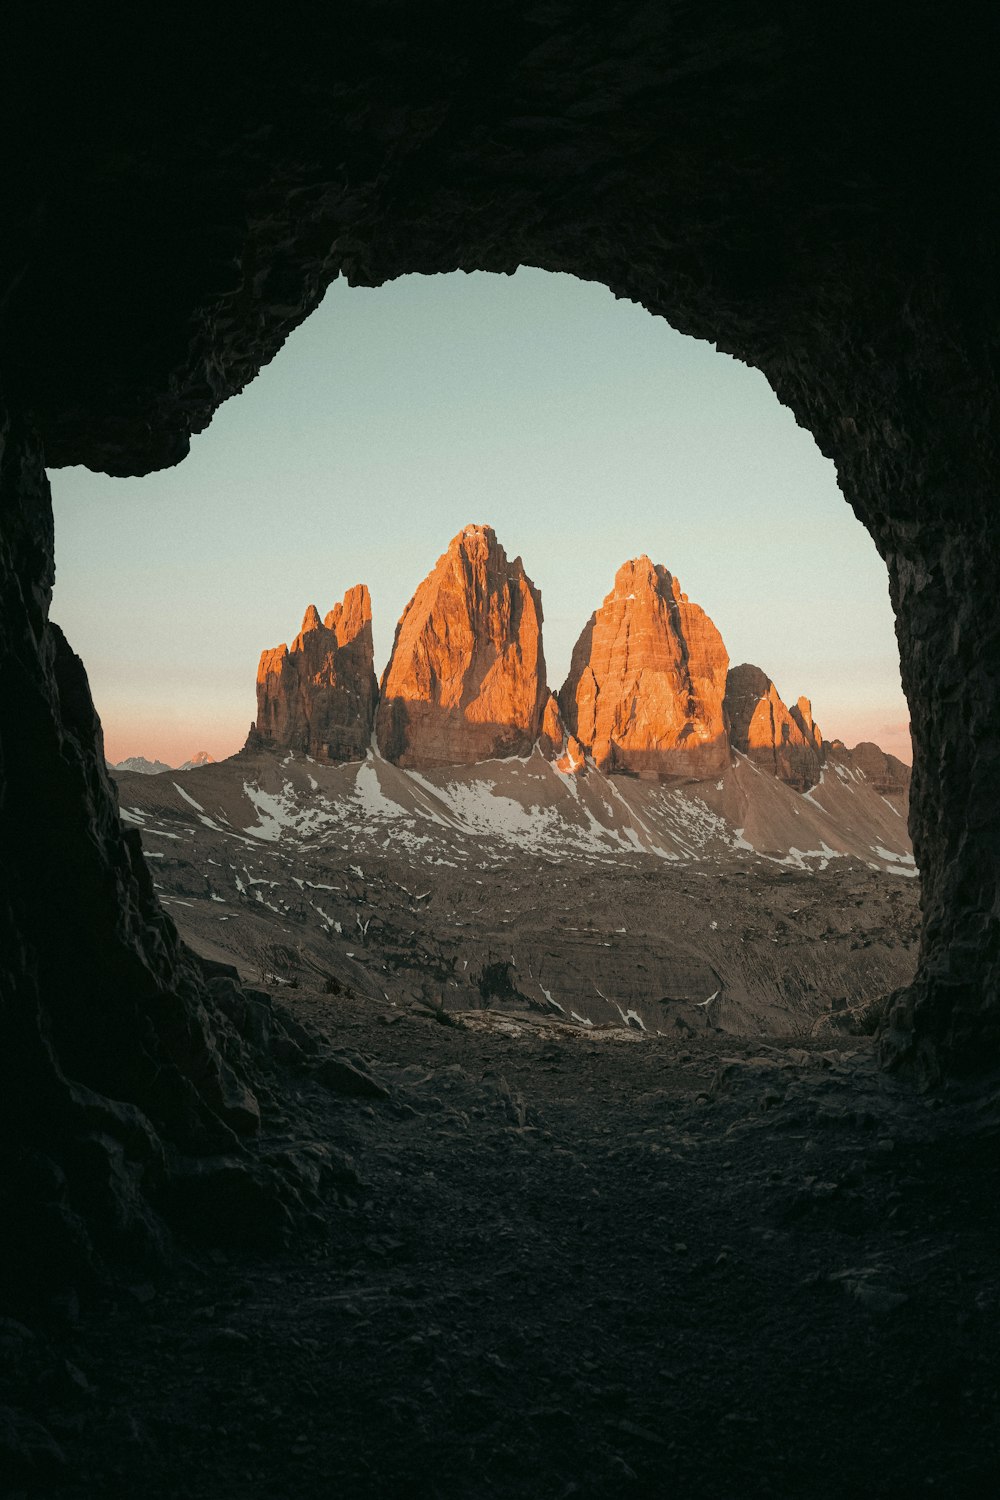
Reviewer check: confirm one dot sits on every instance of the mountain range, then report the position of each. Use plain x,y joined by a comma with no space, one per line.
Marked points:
661,842
139,765
649,693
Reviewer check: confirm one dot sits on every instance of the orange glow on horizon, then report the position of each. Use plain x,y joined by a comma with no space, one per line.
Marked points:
173,740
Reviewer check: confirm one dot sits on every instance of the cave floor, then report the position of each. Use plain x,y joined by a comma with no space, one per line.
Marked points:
580,1264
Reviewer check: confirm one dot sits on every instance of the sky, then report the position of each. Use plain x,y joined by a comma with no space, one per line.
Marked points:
583,429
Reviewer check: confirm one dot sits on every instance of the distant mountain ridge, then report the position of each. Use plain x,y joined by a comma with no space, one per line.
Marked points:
138,764
649,694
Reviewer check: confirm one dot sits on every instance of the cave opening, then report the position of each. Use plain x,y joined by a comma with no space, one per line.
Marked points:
758,1243
584,430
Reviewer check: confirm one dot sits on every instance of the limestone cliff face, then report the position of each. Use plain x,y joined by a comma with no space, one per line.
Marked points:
647,680
319,697
466,679
802,713
552,735
785,743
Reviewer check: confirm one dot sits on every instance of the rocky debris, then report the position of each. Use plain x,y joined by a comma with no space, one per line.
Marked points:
573,758
432,882
780,742
341,1076
688,1193
319,697
466,679
647,680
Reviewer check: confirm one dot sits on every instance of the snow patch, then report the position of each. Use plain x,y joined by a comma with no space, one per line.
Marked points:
891,858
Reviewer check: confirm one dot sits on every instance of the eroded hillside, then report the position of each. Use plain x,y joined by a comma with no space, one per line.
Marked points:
740,905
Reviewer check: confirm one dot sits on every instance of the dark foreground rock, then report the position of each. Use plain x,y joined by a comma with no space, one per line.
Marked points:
561,1264
119,1070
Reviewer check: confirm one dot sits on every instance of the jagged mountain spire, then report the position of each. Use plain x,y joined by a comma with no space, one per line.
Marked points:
466,679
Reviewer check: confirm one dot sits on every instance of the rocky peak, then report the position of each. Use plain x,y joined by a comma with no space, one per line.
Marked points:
199,758
647,680
783,742
801,712
466,679
349,619
319,697
552,735
140,765
889,776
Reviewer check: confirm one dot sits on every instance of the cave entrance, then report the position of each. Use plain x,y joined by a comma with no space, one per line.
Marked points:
586,432
808,191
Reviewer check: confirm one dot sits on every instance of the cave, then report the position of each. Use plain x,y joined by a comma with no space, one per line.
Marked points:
813,191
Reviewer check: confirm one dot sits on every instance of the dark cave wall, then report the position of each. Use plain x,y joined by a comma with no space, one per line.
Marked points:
946,592
112,1073
812,191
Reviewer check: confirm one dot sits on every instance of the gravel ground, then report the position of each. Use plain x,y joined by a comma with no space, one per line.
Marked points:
556,1263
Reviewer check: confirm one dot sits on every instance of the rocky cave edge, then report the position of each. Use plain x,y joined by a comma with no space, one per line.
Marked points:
812,191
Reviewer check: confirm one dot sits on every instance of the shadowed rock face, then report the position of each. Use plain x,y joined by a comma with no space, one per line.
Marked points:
646,682
802,713
466,679
779,741
319,697
807,190
552,735
120,1076
889,776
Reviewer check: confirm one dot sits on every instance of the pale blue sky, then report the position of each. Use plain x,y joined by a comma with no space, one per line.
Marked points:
583,429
